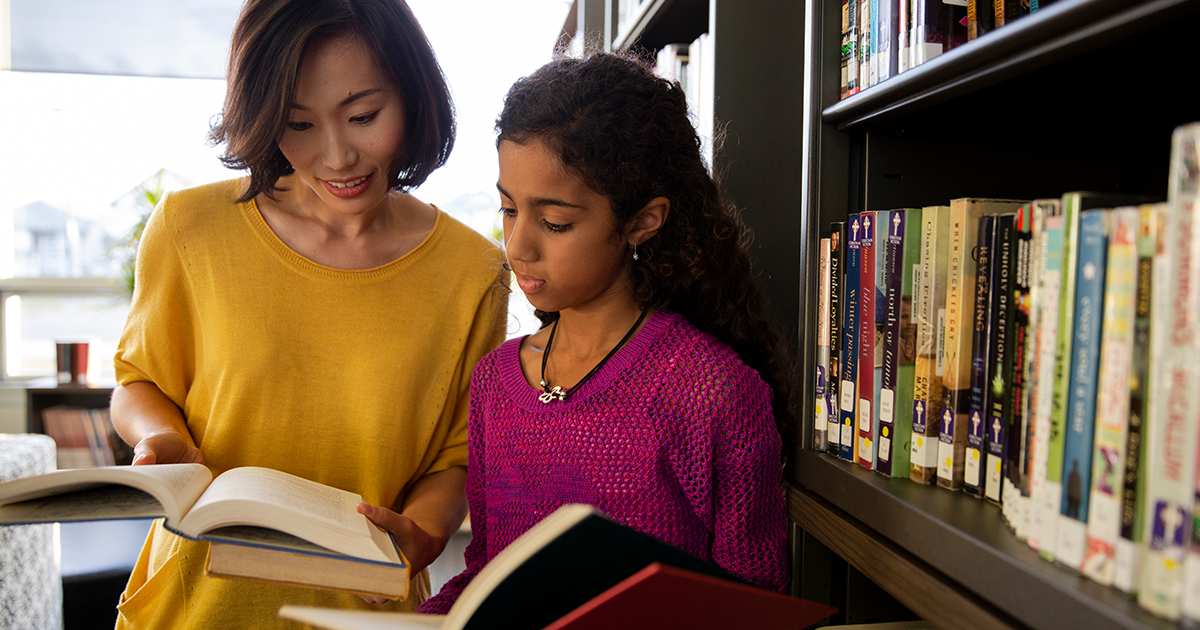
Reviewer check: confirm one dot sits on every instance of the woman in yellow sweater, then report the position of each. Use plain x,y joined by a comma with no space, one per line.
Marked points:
312,317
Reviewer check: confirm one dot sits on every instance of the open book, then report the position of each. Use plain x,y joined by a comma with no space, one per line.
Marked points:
577,567
268,524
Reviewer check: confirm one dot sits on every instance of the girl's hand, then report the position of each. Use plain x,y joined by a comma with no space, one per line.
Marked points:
418,547
166,447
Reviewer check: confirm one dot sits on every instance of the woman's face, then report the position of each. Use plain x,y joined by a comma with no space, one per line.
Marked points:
344,128
558,233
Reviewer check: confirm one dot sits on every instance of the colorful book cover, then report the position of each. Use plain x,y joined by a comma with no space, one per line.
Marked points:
930,316
1015,493
1078,440
843,86
1008,11
876,44
981,363
1112,404
848,392
960,300
880,233
1073,205
821,404
1133,497
1000,395
1175,388
870,350
1046,300
899,345
837,254
981,18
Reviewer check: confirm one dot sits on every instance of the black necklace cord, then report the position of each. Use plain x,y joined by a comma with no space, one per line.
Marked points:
550,394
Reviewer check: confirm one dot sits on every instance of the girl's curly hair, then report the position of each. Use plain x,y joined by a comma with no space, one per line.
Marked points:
626,132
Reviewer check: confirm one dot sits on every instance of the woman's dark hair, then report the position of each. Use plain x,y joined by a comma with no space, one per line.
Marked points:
269,43
626,133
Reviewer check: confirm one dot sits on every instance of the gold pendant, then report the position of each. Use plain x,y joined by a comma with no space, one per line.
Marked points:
554,393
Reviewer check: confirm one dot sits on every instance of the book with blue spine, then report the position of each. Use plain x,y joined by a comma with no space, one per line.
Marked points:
837,254
1081,400
903,276
999,399
849,367
930,315
981,362
1112,404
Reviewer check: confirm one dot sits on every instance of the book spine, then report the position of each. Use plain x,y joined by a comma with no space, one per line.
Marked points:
837,254
848,387
930,315
904,26
864,44
889,43
867,288
879,232
852,41
1062,370
1043,502
1015,493
876,42
845,78
981,331
1128,552
1112,405
956,394
821,404
895,430
1175,399
1000,394
1081,395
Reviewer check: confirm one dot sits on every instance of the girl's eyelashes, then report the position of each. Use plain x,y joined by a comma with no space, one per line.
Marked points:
298,125
553,227
508,212
365,118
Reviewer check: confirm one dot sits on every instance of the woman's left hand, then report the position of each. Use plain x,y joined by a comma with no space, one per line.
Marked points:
419,548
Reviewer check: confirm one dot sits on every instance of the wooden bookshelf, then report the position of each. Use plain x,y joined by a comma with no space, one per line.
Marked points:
1082,95
44,393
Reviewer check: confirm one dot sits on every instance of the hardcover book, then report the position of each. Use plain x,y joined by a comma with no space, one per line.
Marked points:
588,571
888,48
903,272
930,316
1175,388
849,385
837,254
1112,408
252,508
864,45
960,300
1015,492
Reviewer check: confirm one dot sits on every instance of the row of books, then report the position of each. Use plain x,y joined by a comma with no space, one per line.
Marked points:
85,438
1041,354
882,38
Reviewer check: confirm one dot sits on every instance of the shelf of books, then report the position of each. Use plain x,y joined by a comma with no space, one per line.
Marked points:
1003,279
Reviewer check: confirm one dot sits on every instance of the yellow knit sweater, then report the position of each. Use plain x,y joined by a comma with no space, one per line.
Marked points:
356,379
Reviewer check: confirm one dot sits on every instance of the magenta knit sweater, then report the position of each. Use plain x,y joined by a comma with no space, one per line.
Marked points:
674,436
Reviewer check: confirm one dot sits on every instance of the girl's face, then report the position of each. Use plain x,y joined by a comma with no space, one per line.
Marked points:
558,233
345,127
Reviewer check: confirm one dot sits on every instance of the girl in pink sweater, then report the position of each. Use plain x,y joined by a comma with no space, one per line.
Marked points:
654,391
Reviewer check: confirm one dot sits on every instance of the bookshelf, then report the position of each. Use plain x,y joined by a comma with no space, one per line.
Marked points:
43,393
1082,95
1078,96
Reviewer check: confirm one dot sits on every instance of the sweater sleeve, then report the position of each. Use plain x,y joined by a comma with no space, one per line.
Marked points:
158,343
749,510
484,381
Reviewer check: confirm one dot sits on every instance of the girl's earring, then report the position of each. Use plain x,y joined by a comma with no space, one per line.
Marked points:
635,256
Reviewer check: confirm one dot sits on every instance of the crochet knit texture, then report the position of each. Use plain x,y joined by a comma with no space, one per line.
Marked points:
674,436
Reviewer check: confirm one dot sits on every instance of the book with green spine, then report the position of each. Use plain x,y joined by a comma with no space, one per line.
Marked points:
899,341
929,313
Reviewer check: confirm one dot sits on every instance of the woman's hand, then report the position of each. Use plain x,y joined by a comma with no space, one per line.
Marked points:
419,548
166,447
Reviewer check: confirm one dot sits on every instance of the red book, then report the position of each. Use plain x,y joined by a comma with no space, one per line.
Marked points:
661,596
864,447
